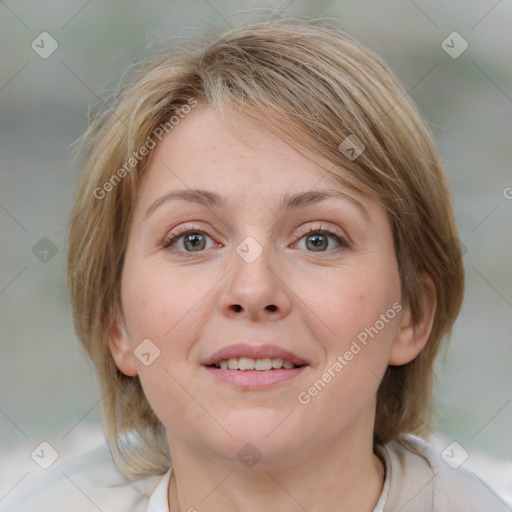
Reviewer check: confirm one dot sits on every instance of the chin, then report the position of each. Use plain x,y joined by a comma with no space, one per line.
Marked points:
261,434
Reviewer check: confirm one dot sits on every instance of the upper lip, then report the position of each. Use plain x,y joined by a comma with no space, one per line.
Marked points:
254,352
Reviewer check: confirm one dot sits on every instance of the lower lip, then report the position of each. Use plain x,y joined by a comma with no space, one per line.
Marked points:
255,379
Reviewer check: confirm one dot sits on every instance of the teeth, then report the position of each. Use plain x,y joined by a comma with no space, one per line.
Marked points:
246,363
263,364
277,363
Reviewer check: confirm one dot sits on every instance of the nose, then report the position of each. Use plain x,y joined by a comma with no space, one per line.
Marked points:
257,290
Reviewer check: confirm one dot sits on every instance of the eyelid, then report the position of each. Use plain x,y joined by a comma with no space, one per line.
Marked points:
306,229
183,229
342,239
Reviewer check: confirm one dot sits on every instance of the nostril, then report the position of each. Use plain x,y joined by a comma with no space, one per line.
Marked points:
237,307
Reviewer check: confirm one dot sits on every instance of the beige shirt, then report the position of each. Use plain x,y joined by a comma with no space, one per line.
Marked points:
91,482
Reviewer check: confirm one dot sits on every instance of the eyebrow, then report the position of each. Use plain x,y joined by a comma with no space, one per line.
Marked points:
288,202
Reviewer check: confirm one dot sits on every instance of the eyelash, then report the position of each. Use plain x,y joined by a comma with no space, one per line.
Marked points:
343,243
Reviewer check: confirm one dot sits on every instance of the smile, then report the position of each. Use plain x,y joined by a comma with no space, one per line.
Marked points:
254,379
247,363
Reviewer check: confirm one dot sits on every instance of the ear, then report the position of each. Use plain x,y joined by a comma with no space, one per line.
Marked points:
413,336
120,348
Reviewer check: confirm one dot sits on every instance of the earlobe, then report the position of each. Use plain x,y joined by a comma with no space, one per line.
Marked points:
121,350
413,335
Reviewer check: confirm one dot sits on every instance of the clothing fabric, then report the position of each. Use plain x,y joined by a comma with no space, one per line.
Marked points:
413,483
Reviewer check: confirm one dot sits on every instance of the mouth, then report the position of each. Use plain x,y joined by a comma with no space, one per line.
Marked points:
260,365
252,367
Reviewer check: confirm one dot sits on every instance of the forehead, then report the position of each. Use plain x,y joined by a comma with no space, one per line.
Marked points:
201,152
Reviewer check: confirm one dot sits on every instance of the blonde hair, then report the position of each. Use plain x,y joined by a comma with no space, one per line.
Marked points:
314,86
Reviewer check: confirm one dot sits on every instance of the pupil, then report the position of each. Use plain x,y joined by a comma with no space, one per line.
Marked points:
196,240
318,241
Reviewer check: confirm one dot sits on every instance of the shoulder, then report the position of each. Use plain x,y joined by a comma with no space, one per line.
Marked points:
90,482
425,481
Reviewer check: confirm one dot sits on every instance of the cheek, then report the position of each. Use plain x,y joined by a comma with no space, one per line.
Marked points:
160,304
356,312
351,301
167,306
160,301
356,356
362,313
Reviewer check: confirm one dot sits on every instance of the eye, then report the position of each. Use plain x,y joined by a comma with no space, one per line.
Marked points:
318,240
187,241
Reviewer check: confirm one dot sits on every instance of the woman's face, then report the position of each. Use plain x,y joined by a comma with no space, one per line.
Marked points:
274,256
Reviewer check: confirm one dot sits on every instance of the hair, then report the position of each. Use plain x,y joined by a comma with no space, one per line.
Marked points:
314,86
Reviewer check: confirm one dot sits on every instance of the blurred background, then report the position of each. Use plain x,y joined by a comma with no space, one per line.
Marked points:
57,58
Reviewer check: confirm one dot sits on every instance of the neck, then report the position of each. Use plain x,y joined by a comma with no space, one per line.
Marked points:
346,478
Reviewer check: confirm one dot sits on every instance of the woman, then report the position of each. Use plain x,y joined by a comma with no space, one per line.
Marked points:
263,264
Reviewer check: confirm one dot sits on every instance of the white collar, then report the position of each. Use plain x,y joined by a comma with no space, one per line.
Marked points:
387,480
159,501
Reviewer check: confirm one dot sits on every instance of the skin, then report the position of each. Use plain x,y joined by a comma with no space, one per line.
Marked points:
190,303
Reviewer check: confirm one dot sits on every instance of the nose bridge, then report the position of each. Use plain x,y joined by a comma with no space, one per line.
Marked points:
255,288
